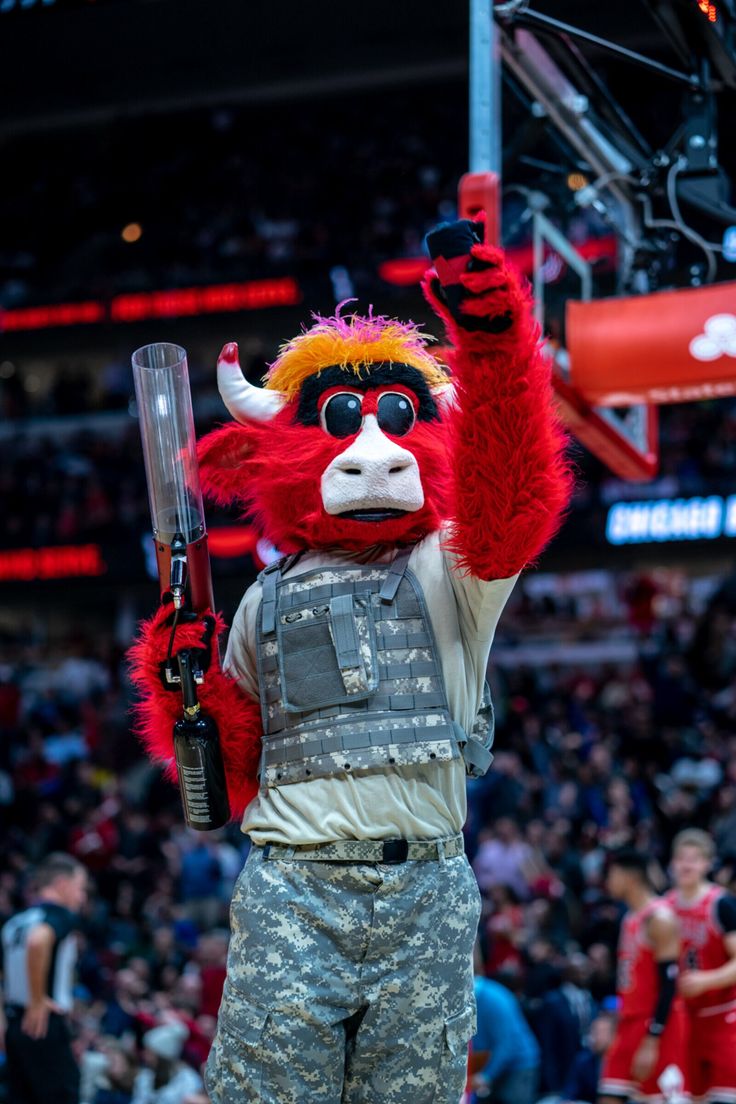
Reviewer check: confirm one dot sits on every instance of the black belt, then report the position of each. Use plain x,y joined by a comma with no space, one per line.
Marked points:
372,851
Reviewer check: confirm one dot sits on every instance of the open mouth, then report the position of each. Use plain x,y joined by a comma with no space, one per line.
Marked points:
382,514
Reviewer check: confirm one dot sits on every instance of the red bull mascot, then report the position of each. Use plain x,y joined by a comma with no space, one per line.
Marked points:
406,499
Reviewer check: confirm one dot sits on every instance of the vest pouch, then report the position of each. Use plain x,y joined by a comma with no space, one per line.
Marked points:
327,653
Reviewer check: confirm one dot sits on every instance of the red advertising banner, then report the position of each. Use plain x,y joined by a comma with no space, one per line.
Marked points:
174,303
673,346
59,562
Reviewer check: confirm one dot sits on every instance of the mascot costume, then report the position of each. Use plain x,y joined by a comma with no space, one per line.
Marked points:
350,702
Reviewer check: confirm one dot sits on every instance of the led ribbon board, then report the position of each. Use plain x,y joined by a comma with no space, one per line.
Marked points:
665,520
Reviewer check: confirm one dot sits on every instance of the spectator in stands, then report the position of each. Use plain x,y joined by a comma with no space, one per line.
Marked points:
200,878
602,976
510,1074
165,1079
724,827
581,1084
554,1021
108,1074
502,858
504,931
212,960
120,1015
576,971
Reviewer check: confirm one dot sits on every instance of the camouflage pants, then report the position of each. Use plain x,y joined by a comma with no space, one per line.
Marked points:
347,983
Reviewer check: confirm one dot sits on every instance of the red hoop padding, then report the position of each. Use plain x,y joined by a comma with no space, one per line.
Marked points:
481,192
604,440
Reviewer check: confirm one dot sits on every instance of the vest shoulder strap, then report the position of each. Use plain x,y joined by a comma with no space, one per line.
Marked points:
269,579
395,574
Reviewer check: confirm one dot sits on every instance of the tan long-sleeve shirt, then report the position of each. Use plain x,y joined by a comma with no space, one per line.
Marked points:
413,802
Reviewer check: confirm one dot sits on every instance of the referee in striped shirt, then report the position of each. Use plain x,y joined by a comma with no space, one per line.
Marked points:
39,957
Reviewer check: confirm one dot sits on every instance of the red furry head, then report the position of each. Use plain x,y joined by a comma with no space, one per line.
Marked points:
344,447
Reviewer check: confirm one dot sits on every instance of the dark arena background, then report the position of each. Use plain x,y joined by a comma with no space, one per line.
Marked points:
198,173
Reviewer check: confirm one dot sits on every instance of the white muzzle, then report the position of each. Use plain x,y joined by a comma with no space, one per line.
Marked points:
373,473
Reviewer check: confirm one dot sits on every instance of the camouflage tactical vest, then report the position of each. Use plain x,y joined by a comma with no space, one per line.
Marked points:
350,675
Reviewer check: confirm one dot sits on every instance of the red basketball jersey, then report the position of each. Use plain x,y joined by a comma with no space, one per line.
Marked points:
637,979
702,943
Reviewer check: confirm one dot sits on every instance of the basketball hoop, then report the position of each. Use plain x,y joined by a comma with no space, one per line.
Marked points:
627,443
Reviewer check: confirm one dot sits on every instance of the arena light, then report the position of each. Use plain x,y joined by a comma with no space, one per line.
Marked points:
576,181
133,232
230,541
62,562
403,271
709,26
709,10
664,520
729,244
23,5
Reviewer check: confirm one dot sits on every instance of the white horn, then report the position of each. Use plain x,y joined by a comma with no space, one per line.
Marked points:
245,402
445,397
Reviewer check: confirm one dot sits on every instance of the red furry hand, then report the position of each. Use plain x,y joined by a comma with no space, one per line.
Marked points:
236,716
510,477
170,633
496,298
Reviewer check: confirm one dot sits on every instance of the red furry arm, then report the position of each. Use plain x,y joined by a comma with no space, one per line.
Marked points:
511,481
237,716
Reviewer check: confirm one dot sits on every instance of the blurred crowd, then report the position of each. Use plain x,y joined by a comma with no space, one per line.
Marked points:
87,487
328,198
155,930
87,482
321,193
588,757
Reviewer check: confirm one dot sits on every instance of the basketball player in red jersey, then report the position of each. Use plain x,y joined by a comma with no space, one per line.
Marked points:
646,1058
707,916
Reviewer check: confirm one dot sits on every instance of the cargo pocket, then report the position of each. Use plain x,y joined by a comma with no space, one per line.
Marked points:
458,1031
327,653
235,1066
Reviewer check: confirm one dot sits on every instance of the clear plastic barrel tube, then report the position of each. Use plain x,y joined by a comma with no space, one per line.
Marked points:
164,405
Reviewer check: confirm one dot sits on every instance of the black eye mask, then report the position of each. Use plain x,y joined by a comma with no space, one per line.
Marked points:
379,375
342,414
